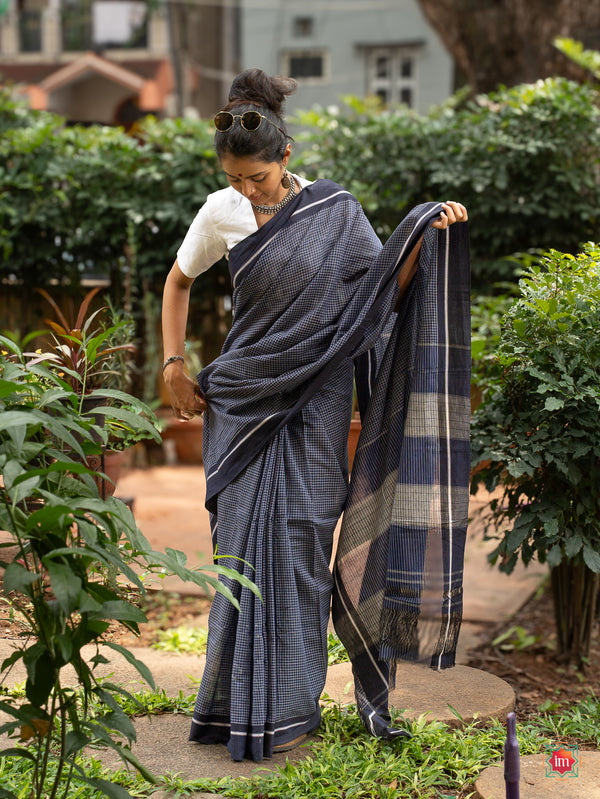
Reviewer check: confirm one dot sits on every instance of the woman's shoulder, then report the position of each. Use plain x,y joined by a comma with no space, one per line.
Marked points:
223,200
325,189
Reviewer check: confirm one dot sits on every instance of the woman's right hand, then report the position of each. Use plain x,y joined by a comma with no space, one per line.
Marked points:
186,399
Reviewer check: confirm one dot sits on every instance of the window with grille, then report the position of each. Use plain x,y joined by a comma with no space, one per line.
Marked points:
392,74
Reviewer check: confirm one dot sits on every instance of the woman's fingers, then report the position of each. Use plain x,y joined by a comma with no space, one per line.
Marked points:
186,398
452,212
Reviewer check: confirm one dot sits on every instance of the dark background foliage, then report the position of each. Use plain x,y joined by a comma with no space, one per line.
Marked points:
525,162
81,206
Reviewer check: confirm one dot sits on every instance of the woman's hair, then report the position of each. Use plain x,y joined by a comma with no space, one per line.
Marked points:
254,90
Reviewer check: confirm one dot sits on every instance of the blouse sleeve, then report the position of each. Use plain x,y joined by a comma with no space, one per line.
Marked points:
202,246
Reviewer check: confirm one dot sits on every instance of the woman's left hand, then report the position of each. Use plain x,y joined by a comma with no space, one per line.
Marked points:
453,212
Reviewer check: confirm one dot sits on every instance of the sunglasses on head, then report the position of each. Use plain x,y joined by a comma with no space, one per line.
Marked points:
249,120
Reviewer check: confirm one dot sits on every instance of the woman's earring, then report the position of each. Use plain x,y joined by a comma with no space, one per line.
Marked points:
285,180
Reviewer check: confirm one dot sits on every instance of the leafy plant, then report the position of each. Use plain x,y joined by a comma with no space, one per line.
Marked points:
536,436
336,651
588,59
515,638
524,160
487,312
61,536
82,347
182,639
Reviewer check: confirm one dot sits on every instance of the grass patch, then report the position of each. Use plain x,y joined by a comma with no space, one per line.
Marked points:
192,640
344,762
184,639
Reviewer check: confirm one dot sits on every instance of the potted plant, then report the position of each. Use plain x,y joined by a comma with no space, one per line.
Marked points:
536,436
83,347
91,351
61,538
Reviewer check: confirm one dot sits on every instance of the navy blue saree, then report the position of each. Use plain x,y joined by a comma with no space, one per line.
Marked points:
314,291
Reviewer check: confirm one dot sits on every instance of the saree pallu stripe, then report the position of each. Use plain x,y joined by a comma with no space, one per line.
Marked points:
399,563
314,290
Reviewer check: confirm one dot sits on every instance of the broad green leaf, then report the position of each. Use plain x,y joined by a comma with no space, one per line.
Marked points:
120,611
591,558
17,435
519,327
133,420
573,546
12,419
65,585
554,403
75,741
117,721
554,556
18,578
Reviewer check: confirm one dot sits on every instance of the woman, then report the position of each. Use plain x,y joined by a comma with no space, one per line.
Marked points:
312,292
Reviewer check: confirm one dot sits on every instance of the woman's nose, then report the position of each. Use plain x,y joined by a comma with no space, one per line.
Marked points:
247,188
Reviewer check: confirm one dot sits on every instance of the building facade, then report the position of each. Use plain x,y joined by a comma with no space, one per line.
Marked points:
382,48
112,61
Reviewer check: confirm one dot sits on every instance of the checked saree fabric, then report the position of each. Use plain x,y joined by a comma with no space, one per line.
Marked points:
314,292
399,562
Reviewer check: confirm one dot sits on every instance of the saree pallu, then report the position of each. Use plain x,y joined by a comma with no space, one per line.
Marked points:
313,291
400,556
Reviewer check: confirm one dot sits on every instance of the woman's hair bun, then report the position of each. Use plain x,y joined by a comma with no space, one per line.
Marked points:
255,87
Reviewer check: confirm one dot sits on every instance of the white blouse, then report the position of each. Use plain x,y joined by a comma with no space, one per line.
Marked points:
225,219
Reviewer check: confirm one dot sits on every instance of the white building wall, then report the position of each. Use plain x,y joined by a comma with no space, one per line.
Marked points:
345,30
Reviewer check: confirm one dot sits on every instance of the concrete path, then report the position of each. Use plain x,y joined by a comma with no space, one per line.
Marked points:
168,505
540,781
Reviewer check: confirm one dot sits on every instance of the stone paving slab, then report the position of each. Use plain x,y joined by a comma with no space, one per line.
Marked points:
472,693
172,672
534,784
163,747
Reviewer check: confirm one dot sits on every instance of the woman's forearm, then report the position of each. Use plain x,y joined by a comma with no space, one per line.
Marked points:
176,298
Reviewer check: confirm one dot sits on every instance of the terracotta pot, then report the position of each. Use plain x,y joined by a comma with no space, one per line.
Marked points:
110,463
187,437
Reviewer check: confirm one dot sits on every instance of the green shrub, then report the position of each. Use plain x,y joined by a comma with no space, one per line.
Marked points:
537,434
523,160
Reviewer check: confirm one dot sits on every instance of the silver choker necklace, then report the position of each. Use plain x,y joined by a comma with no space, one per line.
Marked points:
272,209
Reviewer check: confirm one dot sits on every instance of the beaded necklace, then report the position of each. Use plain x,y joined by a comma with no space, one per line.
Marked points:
272,209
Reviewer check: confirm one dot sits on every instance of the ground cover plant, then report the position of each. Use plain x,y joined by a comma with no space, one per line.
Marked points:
345,763
553,705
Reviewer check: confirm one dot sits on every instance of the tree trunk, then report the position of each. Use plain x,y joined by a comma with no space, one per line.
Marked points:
574,592
510,41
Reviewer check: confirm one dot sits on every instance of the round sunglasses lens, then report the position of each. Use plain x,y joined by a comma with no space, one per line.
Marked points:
251,120
223,120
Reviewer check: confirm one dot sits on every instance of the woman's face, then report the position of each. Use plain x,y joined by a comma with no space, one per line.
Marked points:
259,181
